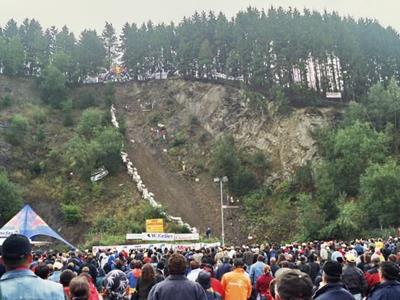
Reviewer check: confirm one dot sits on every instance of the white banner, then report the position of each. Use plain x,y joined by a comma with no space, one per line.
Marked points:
7,233
187,237
168,237
333,95
134,236
182,246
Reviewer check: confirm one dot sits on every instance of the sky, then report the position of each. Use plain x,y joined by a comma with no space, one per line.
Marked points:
92,14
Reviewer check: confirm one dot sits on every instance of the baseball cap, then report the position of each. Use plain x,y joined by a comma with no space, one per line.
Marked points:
16,246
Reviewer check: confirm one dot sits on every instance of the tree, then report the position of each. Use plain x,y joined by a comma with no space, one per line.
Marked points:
10,198
13,57
90,54
53,86
79,157
17,131
110,43
90,123
108,145
380,190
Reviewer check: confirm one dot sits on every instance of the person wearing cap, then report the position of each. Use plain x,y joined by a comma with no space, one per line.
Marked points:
176,286
372,275
237,284
293,284
353,277
19,282
331,287
57,267
204,279
389,288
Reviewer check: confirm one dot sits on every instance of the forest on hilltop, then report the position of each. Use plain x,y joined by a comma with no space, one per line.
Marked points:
291,57
305,53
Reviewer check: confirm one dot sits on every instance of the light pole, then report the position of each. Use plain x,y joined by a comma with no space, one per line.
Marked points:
221,183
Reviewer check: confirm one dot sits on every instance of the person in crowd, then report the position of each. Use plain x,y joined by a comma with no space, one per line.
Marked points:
353,277
274,266
42,270
257,269
314,267
237,284
215,283
204,279
145,283
19,280
65,279
332,287
194,270
293,284
79,289
372,275
134,273
224,268
263,282
389,288
116,285
176,285
57,267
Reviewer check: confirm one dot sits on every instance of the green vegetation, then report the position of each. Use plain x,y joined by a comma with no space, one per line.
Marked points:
352,191
10,198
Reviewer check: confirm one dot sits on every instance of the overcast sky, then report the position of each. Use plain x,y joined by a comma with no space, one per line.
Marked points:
81,14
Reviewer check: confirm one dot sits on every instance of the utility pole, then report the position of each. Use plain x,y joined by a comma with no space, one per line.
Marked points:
221,183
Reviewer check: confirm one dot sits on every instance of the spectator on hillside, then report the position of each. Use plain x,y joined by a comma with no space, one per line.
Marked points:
176,285
19,282
389,288
237,284
332,287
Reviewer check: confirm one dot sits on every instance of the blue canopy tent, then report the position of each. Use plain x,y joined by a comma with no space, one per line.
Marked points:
30,224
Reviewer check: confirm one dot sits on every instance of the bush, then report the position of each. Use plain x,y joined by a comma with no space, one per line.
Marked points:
6,101
85,100
17,131
67,114
72,213
39,115
91,121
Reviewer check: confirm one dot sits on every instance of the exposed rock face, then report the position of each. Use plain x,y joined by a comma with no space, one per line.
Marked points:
287,140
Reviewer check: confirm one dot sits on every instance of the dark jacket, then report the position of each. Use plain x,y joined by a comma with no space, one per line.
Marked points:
176,287
354,280
221,270
333,291
389,290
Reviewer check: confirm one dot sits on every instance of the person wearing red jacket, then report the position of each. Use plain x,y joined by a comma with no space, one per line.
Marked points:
262,284
372,275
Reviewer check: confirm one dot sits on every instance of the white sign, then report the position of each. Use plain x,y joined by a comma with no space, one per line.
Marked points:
334,95
187,237
7,233
158,236
182,246
163,236
134,236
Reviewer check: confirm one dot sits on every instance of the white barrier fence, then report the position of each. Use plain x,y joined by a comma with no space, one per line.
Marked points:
140,186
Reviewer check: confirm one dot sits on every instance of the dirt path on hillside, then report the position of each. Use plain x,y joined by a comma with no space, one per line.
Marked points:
197,203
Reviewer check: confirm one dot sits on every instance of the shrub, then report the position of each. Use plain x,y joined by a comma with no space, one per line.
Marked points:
85,100
6,101
72,213
17,130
